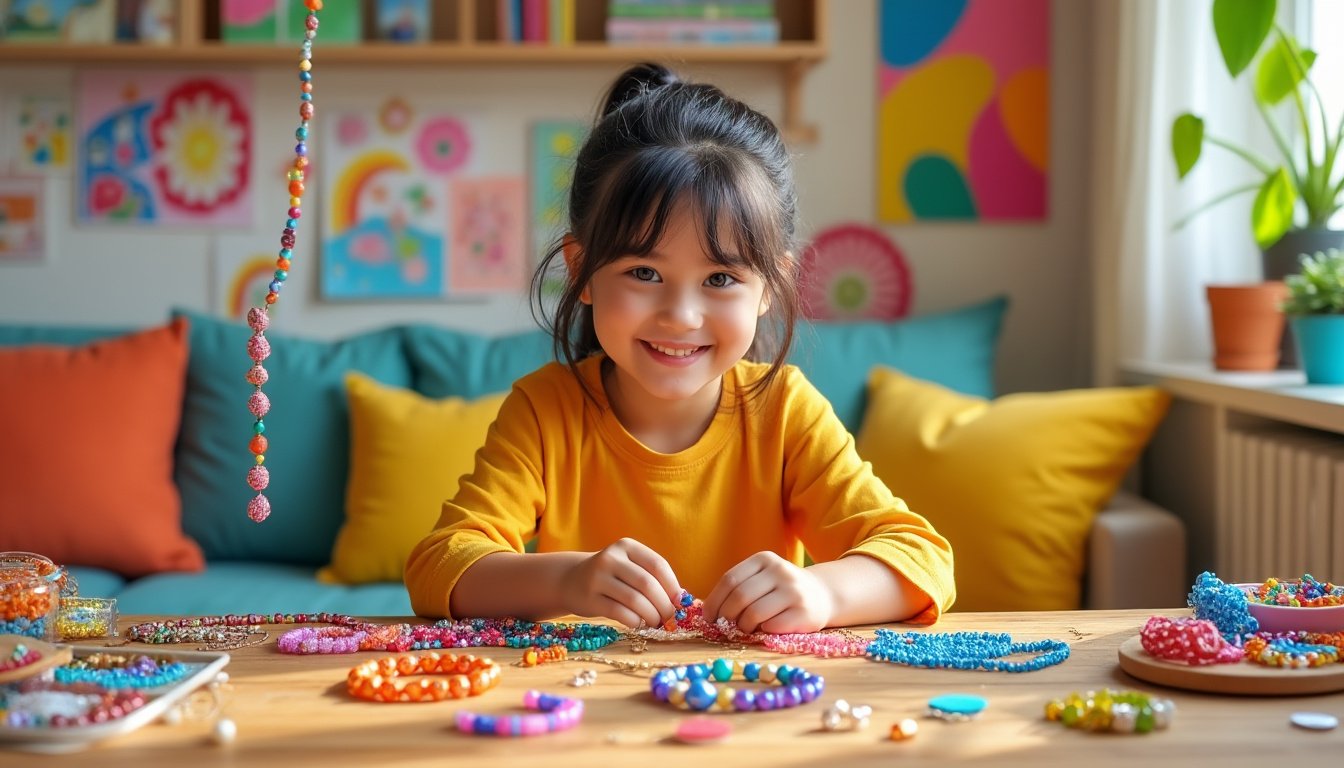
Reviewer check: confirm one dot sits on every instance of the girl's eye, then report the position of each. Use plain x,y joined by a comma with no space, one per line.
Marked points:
720,280
645,274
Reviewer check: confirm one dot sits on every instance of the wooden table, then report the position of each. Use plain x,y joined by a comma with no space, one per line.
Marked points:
293,710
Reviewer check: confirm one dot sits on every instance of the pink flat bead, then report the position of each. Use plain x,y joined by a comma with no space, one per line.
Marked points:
702,730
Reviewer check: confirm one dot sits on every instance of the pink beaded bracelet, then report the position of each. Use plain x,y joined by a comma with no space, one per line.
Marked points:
1193,641
308,640
555,713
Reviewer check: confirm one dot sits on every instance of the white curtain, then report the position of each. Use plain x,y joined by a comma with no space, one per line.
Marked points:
1153,60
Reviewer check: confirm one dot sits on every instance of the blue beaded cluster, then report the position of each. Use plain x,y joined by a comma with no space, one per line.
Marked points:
964,650
142,672
695,686
1224,605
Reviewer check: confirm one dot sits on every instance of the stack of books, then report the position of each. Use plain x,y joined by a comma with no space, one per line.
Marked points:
536,21
677,22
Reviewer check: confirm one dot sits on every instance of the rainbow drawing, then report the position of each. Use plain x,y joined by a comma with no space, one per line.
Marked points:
963,109
354,180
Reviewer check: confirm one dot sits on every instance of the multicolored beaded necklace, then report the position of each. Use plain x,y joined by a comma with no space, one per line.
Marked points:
113,673
258,318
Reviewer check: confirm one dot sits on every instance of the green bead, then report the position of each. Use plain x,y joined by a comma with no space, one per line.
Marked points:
259,426
722,670
1071,714
1145,721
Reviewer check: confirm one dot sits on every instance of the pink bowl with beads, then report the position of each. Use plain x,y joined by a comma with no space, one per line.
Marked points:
1287,618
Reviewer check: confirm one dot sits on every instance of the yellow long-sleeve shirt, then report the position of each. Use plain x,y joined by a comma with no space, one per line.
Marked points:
778,473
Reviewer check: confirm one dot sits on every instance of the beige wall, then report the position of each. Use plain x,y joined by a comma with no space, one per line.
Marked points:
115,276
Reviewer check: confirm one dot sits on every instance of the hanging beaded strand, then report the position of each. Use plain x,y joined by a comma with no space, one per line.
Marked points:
258,318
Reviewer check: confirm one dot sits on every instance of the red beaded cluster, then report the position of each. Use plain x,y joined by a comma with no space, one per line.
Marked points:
258,319
1193,641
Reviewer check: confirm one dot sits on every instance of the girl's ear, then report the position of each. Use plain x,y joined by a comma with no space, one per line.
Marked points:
573,253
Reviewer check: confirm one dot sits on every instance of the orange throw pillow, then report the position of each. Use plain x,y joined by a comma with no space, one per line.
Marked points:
87,452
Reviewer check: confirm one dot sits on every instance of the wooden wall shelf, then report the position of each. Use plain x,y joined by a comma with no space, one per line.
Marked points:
464,34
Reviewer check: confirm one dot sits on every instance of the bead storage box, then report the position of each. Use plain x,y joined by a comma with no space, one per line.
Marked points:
38,715
29,604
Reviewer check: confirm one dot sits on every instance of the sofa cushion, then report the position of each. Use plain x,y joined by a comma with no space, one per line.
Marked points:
407,453
955,348
308,431
1014,483
88,440
447,362
239,587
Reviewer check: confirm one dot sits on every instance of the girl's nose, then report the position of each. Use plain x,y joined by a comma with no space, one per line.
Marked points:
681,310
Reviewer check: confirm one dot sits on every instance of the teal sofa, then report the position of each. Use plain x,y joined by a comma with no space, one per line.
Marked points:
270,567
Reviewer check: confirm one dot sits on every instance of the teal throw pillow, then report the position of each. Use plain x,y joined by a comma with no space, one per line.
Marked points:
955,348
451,363
308,429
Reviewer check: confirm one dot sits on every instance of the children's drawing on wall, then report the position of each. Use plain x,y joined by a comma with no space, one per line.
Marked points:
854,272
963,109
21,225
554,145
36,133
162,149
50,21
244,266
488,252
385,228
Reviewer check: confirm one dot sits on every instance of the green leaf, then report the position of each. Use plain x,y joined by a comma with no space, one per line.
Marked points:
1272,212
1187,140
1279,74
1241,27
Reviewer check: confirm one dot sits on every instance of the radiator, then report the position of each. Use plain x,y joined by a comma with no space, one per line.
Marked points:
1281,506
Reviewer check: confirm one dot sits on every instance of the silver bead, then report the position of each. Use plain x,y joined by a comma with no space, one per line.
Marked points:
1163,711
224,732
1123,717
831,719
860,716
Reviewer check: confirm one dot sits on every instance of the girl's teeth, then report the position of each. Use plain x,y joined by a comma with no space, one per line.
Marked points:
674,352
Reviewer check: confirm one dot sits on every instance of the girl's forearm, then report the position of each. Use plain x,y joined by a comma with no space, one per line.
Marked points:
527,586
865,590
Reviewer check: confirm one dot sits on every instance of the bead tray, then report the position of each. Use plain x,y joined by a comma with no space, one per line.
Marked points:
206,666
1243,678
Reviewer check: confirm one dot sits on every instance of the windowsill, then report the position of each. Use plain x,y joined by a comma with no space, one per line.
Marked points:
1280,395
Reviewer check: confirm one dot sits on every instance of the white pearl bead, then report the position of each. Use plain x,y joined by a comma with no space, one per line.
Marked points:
225,731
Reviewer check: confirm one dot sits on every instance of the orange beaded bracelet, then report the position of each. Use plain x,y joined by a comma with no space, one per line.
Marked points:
466,675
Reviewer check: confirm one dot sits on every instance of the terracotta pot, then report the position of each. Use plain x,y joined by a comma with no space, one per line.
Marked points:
1247,325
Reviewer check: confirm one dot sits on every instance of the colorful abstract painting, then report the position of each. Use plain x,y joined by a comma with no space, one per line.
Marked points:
854,272
963,117
162,149
36,133
386,222
21,224
554,147
488,235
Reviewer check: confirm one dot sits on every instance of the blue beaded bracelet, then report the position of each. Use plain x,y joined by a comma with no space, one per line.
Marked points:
964,650
694,686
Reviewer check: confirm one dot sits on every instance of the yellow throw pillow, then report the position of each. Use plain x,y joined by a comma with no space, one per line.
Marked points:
1014,483
407,454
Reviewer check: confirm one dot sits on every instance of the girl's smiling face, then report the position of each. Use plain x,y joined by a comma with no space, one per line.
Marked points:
674,320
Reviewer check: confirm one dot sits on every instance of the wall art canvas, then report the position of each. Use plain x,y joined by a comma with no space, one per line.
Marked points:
554,145
489,226
963,110
36,132
21,220
386,213
161,148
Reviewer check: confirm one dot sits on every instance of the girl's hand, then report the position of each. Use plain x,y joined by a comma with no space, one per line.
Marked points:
766,593
625,581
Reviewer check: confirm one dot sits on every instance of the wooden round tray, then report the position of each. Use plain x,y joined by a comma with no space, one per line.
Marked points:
1244,679
52,655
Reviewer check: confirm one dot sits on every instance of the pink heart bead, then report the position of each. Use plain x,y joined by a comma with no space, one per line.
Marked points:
259,508
258,320
258,478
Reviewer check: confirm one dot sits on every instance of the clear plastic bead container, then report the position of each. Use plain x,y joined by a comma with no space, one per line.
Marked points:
29,604
85,617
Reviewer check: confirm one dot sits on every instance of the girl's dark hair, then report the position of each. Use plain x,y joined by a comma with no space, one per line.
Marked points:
660,142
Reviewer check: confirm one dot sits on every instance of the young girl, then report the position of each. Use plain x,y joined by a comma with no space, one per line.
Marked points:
655,457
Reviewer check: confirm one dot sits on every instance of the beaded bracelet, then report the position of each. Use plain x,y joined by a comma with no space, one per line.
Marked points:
1192,641
1116,711
538,655
57,706
1223,604
692,686
139,672
466,675
559,713
1282,652
964,650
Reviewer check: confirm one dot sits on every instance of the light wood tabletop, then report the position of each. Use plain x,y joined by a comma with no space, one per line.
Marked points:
294,710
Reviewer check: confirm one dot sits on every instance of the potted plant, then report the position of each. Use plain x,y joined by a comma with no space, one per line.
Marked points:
1315,307
1301,189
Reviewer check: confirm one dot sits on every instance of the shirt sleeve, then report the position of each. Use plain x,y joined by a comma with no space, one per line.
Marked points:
496,508
839,507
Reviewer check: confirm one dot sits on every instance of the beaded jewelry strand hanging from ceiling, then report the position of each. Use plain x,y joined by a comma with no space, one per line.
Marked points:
258,318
